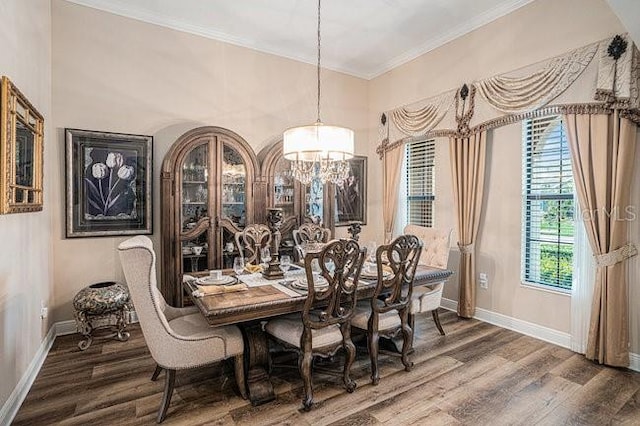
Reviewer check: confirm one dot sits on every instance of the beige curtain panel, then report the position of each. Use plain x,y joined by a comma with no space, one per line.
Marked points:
602,152
468,158
392,165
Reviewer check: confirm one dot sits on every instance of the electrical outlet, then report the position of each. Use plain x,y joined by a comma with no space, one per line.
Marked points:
484,281
44,311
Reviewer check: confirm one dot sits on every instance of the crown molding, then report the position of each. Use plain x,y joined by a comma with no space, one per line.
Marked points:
128,11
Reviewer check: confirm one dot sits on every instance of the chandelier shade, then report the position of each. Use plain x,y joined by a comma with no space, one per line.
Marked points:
319,151
318,141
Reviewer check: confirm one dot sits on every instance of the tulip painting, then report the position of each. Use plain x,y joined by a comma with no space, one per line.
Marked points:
110,186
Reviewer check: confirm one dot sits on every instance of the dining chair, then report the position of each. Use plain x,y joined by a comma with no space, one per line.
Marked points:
309,232
435,254
323,331
251,239
178,339
387,313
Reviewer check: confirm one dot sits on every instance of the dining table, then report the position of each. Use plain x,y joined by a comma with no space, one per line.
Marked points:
257,299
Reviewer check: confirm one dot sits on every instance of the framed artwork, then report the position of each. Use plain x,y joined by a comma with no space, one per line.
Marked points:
108,186
351,196
21,152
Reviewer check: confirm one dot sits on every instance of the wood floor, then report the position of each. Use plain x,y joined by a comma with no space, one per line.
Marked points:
478,374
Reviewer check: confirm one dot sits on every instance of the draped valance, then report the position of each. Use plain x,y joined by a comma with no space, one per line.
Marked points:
514,95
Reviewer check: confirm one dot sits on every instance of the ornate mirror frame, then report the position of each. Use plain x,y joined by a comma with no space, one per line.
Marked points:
21,152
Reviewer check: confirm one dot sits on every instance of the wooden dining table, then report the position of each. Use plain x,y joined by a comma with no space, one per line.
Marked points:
263,299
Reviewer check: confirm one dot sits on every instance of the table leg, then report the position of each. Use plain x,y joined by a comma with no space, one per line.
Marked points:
256,348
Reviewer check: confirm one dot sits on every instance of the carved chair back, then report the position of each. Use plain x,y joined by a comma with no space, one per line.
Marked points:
394,292
340,263
310,232
251,239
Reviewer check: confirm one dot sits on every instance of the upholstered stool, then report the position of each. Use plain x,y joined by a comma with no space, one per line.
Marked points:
102,305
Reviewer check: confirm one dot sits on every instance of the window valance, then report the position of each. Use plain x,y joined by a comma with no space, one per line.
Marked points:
510,97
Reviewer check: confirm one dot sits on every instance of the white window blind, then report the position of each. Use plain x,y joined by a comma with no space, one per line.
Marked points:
548,204
420,159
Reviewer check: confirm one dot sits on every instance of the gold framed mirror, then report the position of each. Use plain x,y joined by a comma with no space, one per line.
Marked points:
21,152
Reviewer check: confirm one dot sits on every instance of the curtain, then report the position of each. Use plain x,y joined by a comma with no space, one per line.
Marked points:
602,155
468,157
584,274
392,164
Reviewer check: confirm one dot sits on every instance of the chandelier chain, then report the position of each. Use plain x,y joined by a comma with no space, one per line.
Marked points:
318,68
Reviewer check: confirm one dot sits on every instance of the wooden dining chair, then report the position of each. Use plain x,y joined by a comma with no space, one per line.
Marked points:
323,331
309,232
177,339
387,313
251,239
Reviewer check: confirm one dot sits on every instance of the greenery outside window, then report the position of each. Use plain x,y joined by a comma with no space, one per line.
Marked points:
548,205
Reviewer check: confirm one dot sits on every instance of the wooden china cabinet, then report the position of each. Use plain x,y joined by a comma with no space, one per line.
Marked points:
207,191
213,185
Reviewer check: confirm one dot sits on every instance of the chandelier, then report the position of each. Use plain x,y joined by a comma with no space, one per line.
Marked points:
319,151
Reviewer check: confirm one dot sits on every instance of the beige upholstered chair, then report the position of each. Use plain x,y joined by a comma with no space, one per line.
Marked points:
435,253
321,332
251,239
387,313
177,338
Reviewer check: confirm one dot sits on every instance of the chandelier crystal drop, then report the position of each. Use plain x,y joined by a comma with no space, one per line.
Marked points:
319,151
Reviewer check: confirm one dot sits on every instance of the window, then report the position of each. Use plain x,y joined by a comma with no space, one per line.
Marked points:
548,204
420,194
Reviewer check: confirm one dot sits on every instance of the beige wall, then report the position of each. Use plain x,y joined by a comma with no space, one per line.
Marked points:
533,33
25,256
116,74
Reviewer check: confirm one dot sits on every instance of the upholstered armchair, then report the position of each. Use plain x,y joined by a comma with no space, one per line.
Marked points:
178,339
387,313
321,332
435,254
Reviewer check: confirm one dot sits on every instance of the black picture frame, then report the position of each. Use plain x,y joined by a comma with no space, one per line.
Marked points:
351,197
108,184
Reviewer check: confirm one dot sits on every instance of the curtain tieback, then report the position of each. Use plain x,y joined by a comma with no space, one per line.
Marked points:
466,248
616,256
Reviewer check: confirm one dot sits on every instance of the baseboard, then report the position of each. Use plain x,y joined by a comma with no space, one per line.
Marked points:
15,400
13,403
539,332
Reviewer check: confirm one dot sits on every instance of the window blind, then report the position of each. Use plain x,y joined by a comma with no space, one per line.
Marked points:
548,204
420,159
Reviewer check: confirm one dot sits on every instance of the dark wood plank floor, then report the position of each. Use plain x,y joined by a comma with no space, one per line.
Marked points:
478,374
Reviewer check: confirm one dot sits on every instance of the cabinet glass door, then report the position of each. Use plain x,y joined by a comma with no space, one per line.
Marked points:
234,187
283,188
195,207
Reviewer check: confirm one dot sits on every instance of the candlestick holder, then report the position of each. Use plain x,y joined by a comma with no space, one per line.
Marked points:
274,220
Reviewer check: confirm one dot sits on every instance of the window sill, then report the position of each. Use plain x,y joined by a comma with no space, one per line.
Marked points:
546,289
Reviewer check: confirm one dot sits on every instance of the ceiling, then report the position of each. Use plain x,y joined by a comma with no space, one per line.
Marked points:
364,38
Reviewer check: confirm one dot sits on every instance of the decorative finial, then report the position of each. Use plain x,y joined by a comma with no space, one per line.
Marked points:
383,119
464,92
617,47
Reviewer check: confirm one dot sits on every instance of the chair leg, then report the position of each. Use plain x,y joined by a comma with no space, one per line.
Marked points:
305,362
350,348
372,344
407,339
169,382
156,373
436,319
238,368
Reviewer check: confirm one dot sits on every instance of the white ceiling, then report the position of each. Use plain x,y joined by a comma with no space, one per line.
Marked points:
364,38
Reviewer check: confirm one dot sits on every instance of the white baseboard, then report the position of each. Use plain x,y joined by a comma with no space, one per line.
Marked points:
534,330
15,400
13,403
